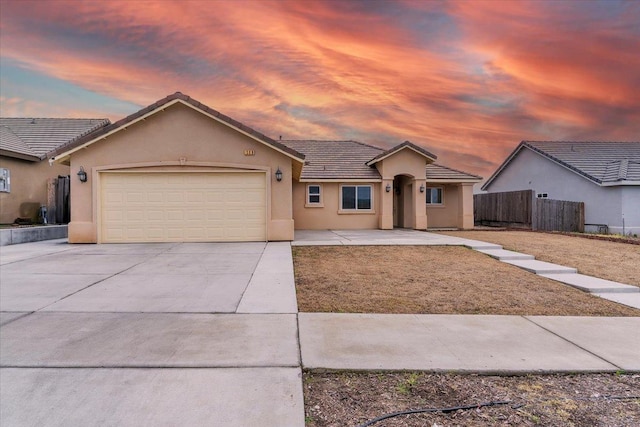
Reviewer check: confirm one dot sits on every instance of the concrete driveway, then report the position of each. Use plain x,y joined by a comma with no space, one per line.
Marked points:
154,334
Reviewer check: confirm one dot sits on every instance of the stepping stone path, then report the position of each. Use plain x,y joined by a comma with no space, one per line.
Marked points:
607,289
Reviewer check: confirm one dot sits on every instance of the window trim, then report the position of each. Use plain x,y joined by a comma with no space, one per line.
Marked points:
356,210
5,176
428,191
308,203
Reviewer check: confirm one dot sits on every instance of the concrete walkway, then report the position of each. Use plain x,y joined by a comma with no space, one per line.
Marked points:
209,333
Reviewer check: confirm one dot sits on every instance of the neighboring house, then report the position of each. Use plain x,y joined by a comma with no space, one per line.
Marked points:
603,175
178,170
24,169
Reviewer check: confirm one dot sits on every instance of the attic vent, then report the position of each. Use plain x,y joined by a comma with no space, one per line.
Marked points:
624,168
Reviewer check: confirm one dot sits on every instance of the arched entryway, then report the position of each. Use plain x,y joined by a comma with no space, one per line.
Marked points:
403,200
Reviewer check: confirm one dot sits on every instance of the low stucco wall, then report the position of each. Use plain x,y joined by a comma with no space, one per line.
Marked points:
28,188
14,236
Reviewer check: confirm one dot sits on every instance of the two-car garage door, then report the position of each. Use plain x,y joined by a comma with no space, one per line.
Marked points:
182,207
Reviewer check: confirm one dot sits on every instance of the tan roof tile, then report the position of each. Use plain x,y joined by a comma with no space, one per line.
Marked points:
439,172
37,137
336,159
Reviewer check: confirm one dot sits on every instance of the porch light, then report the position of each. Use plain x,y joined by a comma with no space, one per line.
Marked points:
278,174
82,175
422,188
388,188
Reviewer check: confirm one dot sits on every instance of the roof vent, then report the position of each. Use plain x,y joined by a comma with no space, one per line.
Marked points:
33,121
624,168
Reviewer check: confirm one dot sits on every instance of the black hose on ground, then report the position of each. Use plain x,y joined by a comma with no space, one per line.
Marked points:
427,410
481,405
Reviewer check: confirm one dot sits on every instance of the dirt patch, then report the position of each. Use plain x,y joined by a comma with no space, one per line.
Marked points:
431,280
351,399
605,259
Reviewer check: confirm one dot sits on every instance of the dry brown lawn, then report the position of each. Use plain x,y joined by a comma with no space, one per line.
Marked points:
432,280
615,261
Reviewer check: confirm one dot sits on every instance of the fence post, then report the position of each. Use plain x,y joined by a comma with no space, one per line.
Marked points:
534,211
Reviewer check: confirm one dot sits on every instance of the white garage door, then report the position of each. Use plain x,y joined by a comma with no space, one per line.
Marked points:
182,207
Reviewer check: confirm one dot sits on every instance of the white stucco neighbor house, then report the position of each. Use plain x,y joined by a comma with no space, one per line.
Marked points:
603,175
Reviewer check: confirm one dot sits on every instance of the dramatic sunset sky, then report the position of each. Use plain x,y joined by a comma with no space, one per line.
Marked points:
468,80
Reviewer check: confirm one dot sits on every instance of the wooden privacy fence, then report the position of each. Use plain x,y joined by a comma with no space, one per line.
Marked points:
522,209
58,208
558,215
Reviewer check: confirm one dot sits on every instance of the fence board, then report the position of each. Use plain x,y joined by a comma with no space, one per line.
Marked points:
522,209
507,208
559,215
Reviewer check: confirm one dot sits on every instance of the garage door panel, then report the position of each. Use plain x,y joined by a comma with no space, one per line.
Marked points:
158,207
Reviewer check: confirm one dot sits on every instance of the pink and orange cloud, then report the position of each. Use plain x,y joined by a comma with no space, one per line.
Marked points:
467,80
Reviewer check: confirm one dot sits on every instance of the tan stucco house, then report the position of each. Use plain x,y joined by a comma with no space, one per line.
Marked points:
178,170
25,144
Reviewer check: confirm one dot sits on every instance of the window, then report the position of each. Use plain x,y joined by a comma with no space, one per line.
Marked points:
314,195
5,181
434,195
356,197
542,195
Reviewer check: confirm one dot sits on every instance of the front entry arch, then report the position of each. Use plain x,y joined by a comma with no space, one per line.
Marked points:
403,201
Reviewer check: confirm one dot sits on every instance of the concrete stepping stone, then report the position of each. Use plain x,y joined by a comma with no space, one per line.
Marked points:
505,255
541,267
592,284
629,299
478,245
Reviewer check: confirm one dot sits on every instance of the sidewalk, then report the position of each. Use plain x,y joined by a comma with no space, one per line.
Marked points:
469,343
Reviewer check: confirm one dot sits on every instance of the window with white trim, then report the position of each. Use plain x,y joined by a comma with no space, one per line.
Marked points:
434,195
5,180
314,195
356,197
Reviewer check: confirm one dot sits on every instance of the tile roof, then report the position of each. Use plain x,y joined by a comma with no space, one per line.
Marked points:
406,144
439,172
186,99
348,160
35,138
336,159
601,162
604,163
12,144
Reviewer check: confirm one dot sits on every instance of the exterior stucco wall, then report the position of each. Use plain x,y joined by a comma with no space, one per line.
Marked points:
178,138
630,210
529,170
445,215
28,187
328,216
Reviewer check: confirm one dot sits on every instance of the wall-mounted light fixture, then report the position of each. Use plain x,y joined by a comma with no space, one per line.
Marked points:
388,188
422,188
278,174
82,175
